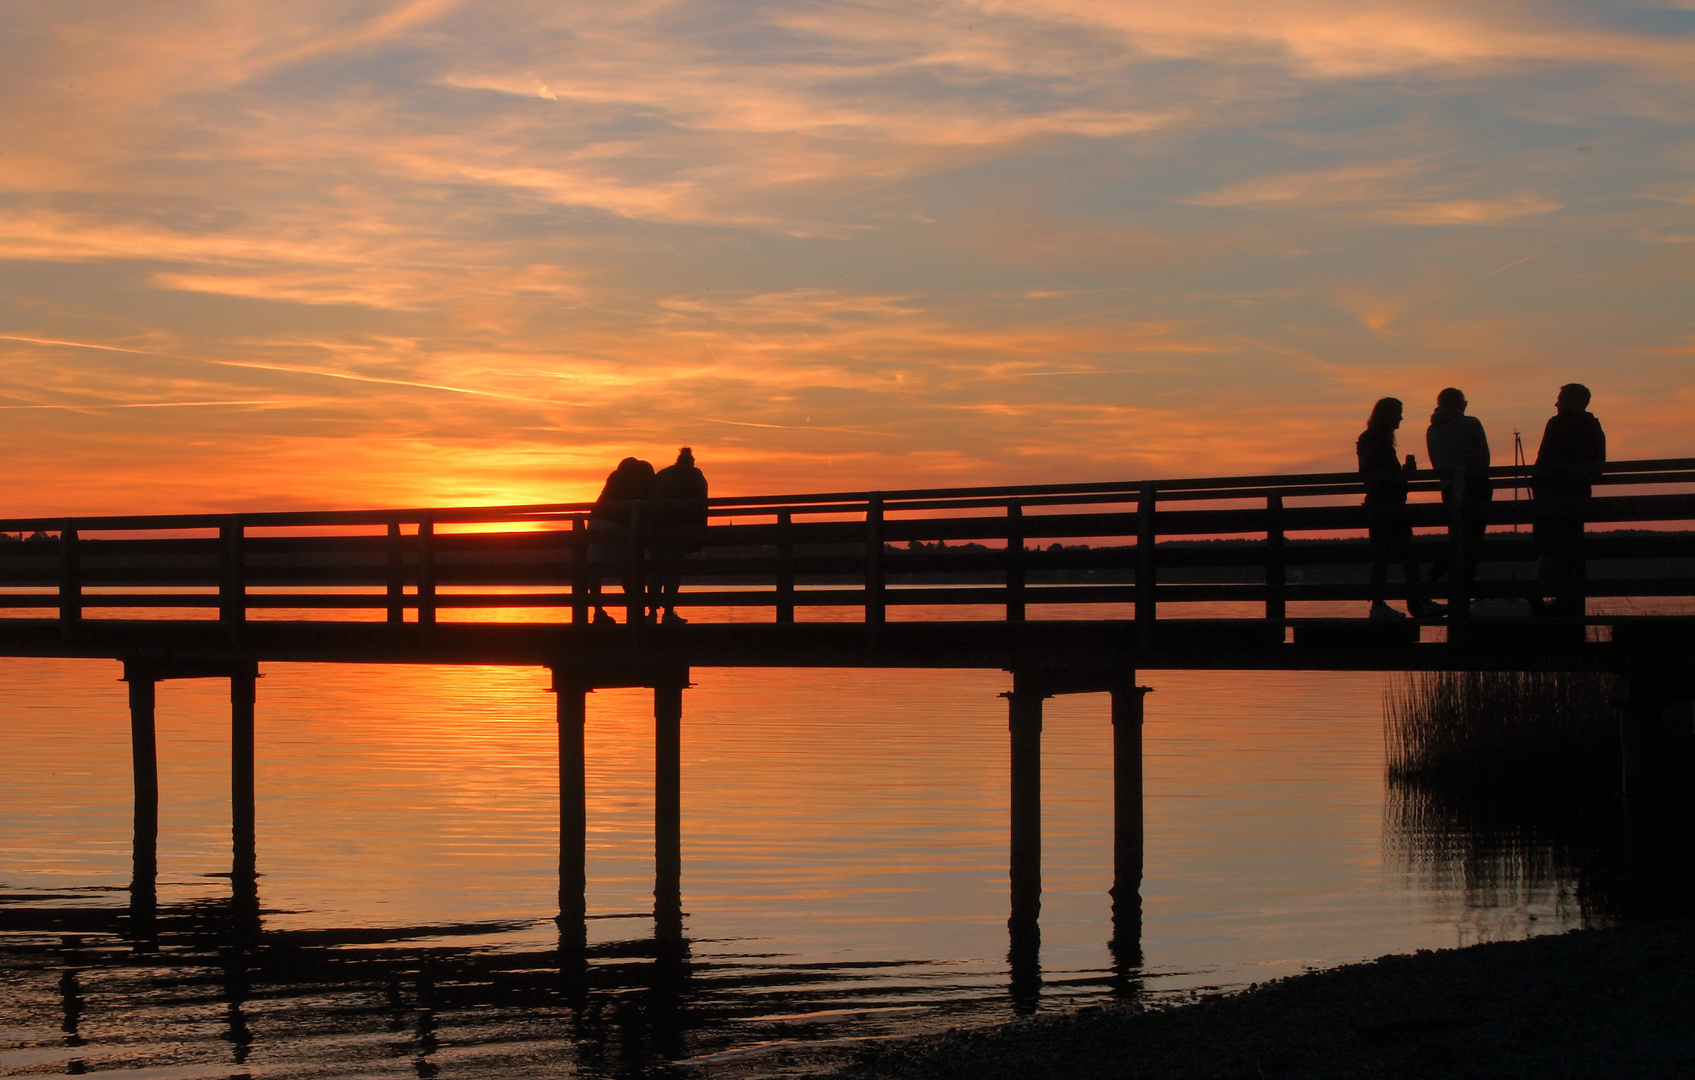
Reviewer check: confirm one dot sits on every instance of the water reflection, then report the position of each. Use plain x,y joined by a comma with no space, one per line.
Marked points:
341,1000
1521,861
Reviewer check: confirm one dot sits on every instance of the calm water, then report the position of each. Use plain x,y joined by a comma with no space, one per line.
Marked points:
845,852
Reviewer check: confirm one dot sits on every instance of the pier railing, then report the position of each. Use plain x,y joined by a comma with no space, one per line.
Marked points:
1273,550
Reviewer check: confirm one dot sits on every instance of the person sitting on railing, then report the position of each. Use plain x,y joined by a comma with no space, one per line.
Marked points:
1386,506
1572,451
677,528
609,523
1457,444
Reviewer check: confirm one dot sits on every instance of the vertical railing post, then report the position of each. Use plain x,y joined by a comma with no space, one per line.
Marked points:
635,576
1275,607
875,608
785,566
426,572
1145,539
579,571
396,574
1014,562
70,577
232,581
1459,555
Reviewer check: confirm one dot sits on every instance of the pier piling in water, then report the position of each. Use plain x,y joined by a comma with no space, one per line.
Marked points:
667,810
573,810
144,758
1127,822
572,687
1024,720
243,816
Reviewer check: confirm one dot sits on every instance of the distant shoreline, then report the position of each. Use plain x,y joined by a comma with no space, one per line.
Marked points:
1612,1003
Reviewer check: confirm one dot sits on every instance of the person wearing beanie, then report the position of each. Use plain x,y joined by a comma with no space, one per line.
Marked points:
1457,444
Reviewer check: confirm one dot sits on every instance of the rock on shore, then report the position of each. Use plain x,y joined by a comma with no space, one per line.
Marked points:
1592,1004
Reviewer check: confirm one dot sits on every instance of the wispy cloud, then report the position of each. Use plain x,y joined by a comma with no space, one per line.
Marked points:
355,247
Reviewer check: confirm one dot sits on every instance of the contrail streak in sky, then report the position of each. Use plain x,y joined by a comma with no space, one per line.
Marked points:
158,404
792,427
319,372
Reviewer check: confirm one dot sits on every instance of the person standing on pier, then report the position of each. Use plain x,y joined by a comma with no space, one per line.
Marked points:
1457,444
1573,449
609,525
1386,502
679,527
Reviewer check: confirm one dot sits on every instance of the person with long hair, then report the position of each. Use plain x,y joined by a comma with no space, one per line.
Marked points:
1386,502
609,526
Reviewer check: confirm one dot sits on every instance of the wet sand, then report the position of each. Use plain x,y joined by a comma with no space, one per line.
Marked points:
1605,1003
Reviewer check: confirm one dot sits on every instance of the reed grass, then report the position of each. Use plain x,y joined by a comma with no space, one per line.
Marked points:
1505,785
1503,729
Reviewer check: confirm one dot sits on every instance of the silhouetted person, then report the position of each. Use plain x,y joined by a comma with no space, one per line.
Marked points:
1386,504
609,524
677,528
1572,451
1457,444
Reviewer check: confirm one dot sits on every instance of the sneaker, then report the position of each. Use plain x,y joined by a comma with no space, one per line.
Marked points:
1380,610
601,618
674,619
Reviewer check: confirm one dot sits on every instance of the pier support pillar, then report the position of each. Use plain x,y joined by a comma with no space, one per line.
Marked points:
144,756
243,816
1024,720
1127,825
572,703
1024,709
667,811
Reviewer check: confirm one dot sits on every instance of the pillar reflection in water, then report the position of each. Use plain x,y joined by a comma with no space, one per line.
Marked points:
236,989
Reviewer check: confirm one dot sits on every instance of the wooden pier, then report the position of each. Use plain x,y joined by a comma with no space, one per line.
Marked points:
1070,588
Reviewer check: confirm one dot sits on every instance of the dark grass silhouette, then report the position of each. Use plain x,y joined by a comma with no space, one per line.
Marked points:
1524,732
1506,785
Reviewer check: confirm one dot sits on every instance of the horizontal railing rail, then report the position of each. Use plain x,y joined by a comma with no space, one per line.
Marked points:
1281,548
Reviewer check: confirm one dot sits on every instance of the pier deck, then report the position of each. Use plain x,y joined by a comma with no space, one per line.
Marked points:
1071,588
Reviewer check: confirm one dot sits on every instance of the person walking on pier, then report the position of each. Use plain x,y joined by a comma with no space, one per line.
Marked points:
1572,451
1386,503
609,524
1457,444
679,527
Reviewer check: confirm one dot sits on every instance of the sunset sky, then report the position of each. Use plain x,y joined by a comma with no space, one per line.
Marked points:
263,255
